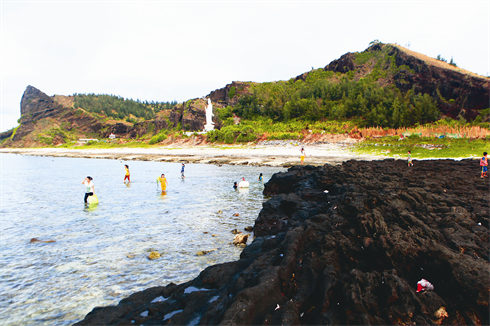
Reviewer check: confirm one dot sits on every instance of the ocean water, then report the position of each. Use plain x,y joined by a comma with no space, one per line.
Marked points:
99,254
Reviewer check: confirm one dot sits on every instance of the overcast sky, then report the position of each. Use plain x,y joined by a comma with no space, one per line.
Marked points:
178,50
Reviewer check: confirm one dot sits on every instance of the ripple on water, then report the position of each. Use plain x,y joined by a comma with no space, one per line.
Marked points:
59,283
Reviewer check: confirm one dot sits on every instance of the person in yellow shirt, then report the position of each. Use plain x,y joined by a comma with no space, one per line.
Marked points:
163,182
126,167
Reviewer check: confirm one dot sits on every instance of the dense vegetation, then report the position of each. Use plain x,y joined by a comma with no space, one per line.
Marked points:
325,95
320,98
120,108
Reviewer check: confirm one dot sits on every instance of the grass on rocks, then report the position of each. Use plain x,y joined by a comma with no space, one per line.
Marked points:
424,147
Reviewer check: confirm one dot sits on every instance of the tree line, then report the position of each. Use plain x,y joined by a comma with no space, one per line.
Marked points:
118,107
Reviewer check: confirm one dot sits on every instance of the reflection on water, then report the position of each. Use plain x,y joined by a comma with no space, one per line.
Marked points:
100,253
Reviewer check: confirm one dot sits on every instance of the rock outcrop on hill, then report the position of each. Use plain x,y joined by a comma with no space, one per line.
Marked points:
338,245
235,89
36,105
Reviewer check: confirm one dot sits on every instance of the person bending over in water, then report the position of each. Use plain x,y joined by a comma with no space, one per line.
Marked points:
163,182
126,167
90,188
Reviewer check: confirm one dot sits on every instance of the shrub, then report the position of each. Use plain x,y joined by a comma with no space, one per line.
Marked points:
157,138
232,92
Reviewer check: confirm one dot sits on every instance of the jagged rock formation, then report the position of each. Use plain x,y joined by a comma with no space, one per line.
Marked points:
339,245
36,105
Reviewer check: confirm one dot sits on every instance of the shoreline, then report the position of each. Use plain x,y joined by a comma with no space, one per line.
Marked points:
258,155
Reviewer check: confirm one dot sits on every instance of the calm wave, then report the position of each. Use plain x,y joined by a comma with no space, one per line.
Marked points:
100,253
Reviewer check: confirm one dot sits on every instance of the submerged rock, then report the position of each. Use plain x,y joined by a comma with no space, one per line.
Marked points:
36,240
154,255
205,252
350,256
249,228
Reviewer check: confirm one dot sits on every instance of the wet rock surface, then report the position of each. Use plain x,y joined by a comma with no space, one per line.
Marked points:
352,255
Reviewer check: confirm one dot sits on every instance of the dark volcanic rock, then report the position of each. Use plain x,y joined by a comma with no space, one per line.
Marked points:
349,256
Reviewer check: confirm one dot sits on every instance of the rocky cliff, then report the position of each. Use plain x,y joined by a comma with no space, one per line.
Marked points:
36,105
235,90
457,92
343,245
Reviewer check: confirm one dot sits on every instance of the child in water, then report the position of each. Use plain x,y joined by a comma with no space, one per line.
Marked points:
126,167
163,182
484,165
261,178
90,188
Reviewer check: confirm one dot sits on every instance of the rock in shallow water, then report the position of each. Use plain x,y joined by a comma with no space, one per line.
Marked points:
349,256
154,255
240,239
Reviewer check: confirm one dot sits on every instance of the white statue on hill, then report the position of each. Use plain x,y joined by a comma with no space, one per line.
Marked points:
209,117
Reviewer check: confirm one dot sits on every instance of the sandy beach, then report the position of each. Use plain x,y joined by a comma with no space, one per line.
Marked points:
260,155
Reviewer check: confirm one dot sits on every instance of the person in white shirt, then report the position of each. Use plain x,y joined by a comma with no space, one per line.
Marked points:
90,188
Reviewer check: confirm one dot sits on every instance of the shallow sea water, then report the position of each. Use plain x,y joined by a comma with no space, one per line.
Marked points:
100,253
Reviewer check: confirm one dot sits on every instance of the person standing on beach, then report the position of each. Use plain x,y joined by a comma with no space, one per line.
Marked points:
126,167
90,188
163,182
409,159
302,151
484,165
182,171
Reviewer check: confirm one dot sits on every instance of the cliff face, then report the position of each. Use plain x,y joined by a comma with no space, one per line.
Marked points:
44,118
36,105
343,245
457,92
